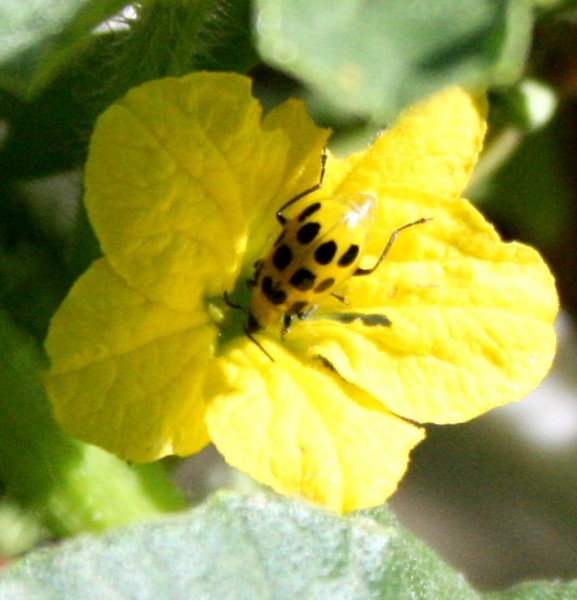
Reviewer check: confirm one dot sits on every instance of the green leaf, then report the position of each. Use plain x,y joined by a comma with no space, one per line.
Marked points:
255,547
39,38
237,547
175,38
374,58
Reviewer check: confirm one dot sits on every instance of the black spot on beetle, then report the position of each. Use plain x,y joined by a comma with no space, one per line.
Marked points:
324,285
282,257
325,253
308,232
349,257
303,280
308,211
272,292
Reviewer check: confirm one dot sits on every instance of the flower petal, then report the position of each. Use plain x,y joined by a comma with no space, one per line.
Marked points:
471,317
301,430
127,373
301,171
175,172
432,146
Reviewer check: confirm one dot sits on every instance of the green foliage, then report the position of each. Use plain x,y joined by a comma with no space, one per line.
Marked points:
357,63
374,58
39,39
244,547
253,547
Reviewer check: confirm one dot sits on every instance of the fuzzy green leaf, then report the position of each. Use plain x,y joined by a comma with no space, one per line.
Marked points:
373,58
253,547
242,547
39,38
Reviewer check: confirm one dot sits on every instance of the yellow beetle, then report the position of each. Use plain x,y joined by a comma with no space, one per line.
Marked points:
317,250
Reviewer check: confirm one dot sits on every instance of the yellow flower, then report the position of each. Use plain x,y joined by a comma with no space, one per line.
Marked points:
183,182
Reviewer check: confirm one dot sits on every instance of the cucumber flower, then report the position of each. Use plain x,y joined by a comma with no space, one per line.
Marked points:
183,182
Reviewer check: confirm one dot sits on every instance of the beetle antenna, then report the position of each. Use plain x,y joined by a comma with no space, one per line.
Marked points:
245,328
256,342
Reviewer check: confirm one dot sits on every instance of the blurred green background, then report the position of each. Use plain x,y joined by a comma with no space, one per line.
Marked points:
497,497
